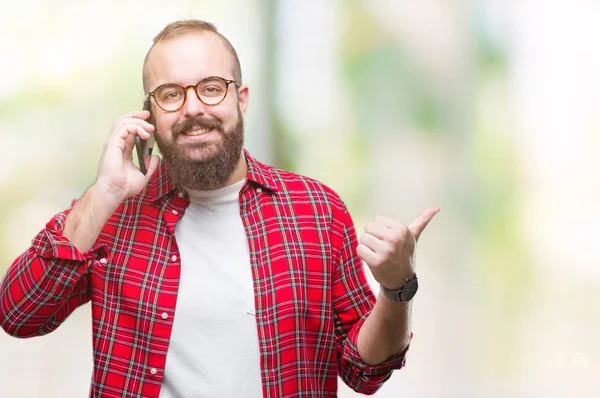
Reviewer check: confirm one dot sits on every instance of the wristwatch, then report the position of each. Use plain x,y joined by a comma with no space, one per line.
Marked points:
406,292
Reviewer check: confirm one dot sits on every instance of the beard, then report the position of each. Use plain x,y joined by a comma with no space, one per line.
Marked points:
218,161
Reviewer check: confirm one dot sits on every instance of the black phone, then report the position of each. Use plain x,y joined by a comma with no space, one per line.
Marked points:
144,147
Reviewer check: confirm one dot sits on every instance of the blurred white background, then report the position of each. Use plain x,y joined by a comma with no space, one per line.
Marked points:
486,108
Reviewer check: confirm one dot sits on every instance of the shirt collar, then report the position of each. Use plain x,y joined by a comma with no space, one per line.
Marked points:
160,183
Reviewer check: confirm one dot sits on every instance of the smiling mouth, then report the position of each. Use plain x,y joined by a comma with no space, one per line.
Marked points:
197,131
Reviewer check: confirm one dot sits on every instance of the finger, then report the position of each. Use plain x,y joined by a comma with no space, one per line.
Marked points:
130,133
387,221
422,220
143,114
119,137
378,230
129,145
137,115
366,254
373,243
126,122
132,129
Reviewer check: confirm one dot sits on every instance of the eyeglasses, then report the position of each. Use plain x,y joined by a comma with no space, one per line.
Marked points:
210,91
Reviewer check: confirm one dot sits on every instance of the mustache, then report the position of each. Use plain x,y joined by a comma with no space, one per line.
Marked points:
201,122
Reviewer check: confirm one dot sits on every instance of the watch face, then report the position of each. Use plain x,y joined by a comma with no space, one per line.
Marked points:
409,290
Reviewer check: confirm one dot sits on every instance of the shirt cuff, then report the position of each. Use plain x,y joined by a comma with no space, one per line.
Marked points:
50,243
396,361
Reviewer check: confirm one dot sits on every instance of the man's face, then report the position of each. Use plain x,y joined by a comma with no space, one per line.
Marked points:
201,144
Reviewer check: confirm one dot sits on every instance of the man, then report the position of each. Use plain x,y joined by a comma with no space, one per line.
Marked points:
214,275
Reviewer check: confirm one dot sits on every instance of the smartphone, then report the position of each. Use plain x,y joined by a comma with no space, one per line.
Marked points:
144,147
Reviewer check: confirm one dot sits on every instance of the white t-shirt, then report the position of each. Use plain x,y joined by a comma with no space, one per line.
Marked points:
213,350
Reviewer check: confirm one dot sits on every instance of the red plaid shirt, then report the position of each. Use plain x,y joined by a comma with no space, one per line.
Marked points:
311,295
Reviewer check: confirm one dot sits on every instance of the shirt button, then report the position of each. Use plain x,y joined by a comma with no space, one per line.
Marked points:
174,212
180,194
164,315
153,371
259,190
103,261
174,258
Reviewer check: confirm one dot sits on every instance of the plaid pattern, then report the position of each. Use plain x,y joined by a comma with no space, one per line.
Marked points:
311,295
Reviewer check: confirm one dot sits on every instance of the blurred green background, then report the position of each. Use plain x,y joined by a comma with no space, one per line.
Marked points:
485,108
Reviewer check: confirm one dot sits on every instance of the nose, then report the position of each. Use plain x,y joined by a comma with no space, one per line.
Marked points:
193,106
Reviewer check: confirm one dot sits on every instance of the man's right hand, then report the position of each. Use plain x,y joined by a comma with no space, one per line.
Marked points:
118,177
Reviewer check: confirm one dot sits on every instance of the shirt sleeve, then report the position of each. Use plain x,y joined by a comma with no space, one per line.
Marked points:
46,283
353,301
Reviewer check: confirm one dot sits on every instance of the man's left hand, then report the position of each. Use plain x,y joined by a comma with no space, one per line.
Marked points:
388,247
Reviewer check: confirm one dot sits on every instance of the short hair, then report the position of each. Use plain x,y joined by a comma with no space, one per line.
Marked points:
183,27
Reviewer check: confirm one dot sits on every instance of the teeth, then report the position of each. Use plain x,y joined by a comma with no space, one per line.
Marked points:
197,132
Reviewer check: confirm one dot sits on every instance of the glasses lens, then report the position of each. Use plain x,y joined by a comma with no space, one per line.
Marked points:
212,90
170,97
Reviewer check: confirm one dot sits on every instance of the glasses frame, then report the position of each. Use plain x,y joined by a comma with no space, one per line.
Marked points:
195,87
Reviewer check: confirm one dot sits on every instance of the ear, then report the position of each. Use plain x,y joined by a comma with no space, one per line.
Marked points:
243,98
